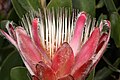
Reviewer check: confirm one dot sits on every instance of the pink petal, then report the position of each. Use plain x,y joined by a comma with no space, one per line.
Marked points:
63,60
9,38
87,50
69,77
11,31
76,39
81,72
102,40
100,49
44,72
28,50
102,45
37,40
35,32
34,78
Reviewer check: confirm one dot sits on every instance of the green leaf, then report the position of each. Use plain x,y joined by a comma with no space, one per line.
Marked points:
91,76
117,63
5,50
24,6
60,3
18,8
115,21
12,60
100,4
12,16
35,4
110,6
2,26
114,66
102,74
19,73
115,25
85,5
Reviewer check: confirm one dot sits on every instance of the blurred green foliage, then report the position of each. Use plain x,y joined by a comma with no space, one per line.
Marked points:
19,73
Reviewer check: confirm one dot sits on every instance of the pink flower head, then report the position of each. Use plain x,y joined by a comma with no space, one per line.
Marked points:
60,47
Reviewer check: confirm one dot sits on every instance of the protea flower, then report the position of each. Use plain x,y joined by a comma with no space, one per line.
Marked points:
60,47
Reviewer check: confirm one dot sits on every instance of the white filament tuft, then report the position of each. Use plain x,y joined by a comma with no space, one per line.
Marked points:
54,29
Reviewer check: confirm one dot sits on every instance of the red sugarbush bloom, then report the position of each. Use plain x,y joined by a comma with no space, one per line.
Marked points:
60,48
